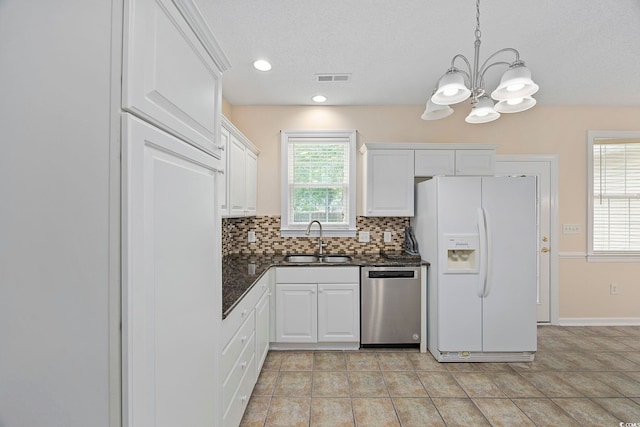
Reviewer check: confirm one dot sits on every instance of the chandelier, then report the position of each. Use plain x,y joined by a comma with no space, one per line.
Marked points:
456,85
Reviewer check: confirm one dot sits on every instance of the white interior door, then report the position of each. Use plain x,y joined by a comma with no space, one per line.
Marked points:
540,167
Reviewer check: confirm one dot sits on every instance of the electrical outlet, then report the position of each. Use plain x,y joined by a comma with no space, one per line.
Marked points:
570,228
364,237
613,289
387,236
251,237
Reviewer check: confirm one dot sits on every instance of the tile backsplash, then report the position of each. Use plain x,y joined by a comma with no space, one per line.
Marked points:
269,240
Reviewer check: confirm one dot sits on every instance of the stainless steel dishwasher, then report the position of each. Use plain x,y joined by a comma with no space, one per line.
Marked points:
389,306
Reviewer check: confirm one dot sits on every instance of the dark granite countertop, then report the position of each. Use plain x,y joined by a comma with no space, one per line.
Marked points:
241,272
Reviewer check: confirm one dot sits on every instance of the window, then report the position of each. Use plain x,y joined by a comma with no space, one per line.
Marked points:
318,182
614,194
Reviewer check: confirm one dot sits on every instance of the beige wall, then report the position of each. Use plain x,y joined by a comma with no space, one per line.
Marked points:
584,287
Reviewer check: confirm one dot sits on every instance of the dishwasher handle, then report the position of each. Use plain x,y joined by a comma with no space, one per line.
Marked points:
392,274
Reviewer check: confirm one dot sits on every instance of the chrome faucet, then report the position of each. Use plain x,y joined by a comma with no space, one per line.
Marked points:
320,242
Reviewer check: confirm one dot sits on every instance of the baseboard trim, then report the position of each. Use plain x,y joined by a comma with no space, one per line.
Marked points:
599,321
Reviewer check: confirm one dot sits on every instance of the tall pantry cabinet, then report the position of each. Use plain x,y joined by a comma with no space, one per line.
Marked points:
171,293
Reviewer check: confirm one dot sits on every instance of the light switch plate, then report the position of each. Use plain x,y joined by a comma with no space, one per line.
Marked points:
364,237
387,237
251,237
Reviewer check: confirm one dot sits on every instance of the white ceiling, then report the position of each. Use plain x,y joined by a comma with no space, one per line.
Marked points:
579,52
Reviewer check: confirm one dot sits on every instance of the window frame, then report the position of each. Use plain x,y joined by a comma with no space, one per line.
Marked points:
593,255
329,230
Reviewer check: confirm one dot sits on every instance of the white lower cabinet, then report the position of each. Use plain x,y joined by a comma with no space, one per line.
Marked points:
245,337
338,312
325,311
296,313
262,330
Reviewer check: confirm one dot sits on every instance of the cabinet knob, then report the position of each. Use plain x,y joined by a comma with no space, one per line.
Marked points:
243,365
243,398
244,312
221,147
221,171
243,339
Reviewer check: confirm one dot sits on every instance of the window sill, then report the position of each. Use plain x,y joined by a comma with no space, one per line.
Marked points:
613,258
314,233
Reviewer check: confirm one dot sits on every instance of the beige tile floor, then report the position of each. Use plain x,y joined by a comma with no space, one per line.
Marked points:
582,376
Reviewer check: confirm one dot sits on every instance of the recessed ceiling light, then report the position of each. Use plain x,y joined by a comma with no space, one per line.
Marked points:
262,65
319,98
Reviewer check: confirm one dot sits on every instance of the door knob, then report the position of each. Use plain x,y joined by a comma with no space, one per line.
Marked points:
545,239
544,250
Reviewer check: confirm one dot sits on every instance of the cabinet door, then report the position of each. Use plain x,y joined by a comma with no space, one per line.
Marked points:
296,313
262,330
338,312
223,187
171,280
251,182
170,79
475,162
237,177
434,162
389,183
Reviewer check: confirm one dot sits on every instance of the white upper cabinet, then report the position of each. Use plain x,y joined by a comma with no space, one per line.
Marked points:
475,162
225,138
457,161
172,77
241,174
388,183
435,162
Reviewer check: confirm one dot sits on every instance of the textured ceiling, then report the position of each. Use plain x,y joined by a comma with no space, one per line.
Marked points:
579,52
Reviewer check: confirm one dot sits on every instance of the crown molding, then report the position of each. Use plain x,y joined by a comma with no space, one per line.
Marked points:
198,24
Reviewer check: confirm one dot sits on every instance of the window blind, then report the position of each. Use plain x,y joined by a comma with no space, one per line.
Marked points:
318,180
616,198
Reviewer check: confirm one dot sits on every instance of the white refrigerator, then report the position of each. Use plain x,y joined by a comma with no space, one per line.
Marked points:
479,235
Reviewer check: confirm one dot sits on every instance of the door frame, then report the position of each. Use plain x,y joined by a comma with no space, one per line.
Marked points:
552,159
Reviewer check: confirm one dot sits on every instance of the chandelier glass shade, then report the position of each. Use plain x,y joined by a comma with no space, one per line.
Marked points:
514,92
436,111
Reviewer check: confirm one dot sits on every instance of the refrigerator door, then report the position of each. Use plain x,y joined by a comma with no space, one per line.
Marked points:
509,304
459,308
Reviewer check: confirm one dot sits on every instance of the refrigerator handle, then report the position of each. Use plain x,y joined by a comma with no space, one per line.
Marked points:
482,234
488,254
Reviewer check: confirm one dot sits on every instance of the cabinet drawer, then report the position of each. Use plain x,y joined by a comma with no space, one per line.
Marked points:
240,399
318,275
237,344
240,313
245,365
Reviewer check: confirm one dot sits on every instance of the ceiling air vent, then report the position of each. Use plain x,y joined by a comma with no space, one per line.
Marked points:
333,78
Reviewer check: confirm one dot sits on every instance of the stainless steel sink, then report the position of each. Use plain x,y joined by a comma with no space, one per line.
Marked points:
301,258
336,258
313,258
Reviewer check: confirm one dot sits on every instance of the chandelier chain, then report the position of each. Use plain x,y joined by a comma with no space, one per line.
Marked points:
478,33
